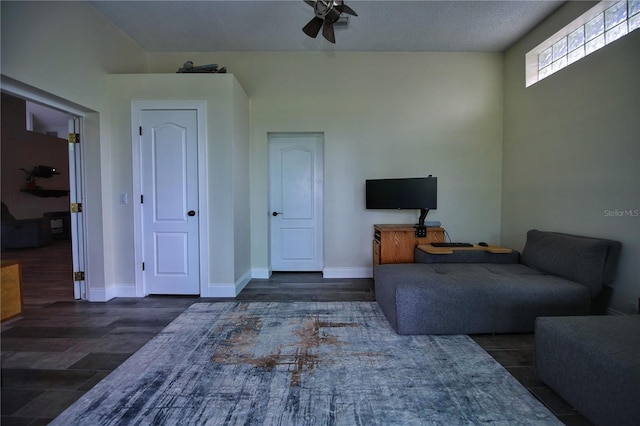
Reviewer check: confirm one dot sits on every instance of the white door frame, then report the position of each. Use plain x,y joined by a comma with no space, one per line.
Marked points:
76,180
203,204
76,195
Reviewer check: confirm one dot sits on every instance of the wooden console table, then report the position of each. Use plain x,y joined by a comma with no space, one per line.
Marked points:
396,243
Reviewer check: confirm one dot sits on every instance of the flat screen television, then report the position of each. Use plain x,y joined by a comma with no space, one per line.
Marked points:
409,193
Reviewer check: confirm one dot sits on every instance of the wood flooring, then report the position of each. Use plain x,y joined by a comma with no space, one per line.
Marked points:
59,348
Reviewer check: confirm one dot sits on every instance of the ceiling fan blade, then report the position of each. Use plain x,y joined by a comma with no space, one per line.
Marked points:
327,31
313,27
343,8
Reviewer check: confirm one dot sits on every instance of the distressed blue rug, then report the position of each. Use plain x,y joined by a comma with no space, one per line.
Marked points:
331,363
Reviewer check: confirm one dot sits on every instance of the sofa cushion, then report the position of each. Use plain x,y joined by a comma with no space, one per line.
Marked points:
592,362
449,298
572,257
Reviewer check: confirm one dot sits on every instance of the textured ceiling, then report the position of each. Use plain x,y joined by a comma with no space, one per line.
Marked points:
265,25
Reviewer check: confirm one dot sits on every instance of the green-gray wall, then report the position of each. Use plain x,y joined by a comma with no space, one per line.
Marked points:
571,150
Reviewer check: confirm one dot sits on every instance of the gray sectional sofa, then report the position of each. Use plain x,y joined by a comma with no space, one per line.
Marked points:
593,363
471,292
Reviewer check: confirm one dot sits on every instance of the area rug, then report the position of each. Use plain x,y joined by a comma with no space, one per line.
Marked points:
301,363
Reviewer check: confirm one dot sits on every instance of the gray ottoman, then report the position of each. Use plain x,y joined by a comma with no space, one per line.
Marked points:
593,363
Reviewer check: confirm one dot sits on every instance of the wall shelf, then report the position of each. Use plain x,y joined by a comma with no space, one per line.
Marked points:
39,192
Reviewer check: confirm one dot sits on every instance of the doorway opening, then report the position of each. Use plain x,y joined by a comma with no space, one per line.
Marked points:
40,178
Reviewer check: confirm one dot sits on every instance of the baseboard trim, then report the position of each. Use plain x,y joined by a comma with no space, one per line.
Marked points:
220,290
233,289
99,294
242,282
261,273
106,294
350,272
228,289
125,291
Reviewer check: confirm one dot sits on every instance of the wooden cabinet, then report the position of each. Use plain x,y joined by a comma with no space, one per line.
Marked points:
11,284
396,243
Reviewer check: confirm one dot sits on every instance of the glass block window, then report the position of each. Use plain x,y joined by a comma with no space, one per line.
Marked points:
599,26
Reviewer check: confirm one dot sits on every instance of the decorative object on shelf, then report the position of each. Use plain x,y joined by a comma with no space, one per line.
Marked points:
327,14
38,171
31,182
41,172
188,67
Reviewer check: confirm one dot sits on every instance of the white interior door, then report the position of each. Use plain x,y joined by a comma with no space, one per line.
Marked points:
169,188
296,201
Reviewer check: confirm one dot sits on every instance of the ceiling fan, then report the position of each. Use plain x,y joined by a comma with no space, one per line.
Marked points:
327,13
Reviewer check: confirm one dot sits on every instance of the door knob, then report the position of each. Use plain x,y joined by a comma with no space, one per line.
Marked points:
276,213
191,212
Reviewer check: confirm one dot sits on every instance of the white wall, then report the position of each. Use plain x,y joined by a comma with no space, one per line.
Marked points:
382,115
227,158
241,185
572,149
62,51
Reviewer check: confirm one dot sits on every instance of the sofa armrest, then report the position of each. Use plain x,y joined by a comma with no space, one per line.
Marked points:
466,256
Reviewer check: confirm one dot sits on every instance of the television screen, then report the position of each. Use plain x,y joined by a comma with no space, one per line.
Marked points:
409,193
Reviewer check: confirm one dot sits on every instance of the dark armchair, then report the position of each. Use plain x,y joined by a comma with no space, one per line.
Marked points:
24,233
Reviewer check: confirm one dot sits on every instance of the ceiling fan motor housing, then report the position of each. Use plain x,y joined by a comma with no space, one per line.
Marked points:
327,13
322,8
325,9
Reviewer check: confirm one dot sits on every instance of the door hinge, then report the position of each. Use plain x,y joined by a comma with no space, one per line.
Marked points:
141,199
143,266
78,276
76,207
74,137
140,129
